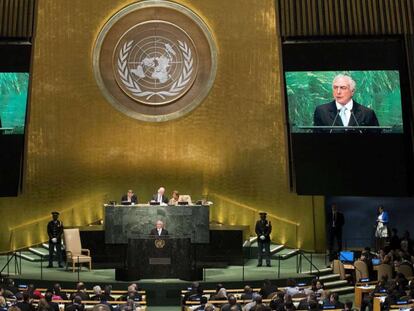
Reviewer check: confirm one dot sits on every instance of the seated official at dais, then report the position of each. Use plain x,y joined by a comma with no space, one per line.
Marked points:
129,199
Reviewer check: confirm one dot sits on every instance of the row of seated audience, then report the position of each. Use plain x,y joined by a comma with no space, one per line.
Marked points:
399,289
15,299
289,298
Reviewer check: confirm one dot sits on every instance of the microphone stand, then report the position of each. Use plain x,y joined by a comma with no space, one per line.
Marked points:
336,117
356,121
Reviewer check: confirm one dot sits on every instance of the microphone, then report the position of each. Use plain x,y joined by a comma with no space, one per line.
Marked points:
336,117
356,121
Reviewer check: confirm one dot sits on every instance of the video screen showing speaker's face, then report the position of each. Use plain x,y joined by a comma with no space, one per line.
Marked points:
344,101
13,102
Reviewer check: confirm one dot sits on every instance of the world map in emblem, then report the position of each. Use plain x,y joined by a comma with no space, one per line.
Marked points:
155,63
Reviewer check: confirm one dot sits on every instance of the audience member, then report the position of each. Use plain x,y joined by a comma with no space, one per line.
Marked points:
81,292
132,293
132,304
76,304
291,288
317,287
202,306
33,292
3,304
107,293
248,293
57,293
334,301
267,289
256,297
42,305
23,302
53,306
259,306
221,293
97,293
10,286
348,306
304,303
232,301
277,303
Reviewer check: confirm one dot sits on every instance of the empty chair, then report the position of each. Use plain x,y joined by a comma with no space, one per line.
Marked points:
338,268
384,269
361,270
75,254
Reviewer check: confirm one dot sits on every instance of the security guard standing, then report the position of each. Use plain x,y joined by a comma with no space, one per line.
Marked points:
55,231
263,230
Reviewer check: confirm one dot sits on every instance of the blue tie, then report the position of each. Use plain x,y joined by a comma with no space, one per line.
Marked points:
343,116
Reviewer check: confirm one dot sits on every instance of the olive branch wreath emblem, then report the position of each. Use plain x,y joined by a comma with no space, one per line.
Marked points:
134,87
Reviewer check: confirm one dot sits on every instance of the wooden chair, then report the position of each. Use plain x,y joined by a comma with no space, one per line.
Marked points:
338,268
74,251
384,269
361,270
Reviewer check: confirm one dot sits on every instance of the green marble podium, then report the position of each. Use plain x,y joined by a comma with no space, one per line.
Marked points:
123,222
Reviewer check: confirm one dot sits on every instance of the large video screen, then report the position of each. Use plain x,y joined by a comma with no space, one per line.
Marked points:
14,87
316,99
14,97
349,116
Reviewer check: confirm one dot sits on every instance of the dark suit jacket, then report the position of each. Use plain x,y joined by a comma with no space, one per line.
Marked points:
155,232
164,198
134,199
263,228
327,115
339,221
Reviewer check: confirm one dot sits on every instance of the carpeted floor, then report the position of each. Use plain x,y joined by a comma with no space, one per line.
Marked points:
33,271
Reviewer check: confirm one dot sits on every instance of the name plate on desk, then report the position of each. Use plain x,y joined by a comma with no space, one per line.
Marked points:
160,261
131,221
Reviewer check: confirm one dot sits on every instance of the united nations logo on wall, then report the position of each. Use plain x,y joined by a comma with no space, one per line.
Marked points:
155,60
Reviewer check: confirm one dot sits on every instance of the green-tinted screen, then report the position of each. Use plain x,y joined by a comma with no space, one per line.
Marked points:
378,90
13,101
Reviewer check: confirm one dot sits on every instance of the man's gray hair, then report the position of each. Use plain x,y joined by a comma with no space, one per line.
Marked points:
351,82
97,290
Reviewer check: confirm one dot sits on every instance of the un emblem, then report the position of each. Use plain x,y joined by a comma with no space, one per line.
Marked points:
155,61
159,243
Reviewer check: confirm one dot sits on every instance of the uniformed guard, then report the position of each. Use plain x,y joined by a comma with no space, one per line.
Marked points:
263,230
55,231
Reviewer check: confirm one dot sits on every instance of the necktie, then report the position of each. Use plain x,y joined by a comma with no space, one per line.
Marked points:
159,198
342,114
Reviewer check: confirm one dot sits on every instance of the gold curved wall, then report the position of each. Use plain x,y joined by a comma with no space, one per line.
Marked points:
81,152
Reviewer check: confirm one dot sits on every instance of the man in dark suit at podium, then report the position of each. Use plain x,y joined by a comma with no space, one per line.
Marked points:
343,110
159,229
